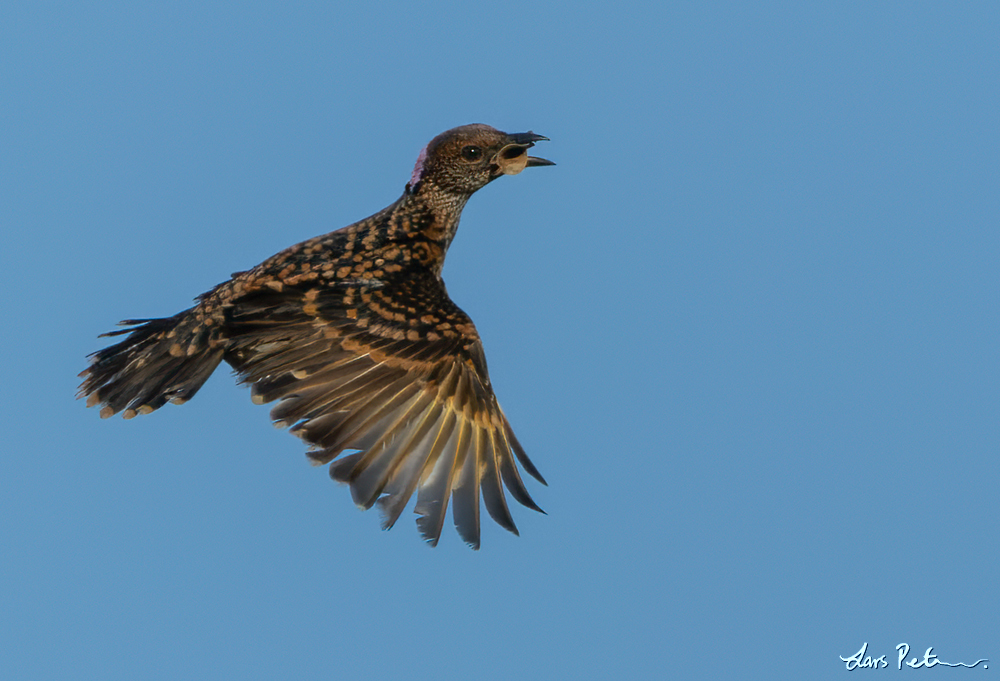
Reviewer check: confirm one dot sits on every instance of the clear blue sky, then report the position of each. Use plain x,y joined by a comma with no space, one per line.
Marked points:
748,329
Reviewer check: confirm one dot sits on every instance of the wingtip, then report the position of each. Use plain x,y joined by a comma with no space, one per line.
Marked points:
472,545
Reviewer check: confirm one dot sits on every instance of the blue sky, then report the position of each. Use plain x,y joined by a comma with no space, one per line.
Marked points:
747,328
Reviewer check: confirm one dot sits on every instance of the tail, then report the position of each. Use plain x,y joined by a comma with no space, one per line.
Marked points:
161,360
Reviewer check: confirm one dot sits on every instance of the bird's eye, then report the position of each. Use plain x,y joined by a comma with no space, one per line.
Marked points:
472,153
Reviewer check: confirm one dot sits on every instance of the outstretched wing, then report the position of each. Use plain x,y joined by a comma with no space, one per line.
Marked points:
397,374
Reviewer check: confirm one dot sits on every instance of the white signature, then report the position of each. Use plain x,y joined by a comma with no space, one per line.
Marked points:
860,660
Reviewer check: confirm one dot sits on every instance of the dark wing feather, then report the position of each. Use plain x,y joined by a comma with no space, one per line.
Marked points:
355,366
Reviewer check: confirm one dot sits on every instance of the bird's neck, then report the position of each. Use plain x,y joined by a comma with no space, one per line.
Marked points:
428,214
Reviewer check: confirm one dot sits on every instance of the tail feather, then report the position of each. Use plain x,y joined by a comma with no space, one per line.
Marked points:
161,360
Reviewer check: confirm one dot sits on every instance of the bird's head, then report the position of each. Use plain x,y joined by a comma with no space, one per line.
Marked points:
469,157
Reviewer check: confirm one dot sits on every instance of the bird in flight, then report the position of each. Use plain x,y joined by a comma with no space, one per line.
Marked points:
354,337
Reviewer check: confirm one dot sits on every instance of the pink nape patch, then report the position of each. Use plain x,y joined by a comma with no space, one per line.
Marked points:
418,169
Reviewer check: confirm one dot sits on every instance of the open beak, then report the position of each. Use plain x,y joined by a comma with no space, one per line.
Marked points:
535,161
514,158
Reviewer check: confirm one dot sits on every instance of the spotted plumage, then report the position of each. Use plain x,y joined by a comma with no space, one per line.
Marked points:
353,335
